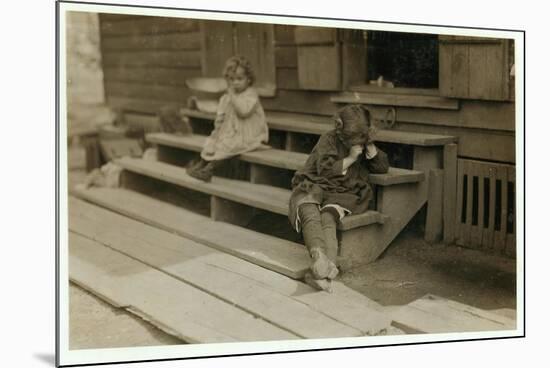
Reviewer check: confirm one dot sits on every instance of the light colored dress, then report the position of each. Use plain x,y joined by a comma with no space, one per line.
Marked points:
240,126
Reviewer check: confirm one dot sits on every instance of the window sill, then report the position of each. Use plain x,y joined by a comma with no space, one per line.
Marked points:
406,97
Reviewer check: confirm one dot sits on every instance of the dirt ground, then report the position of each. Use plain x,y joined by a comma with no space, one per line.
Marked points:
409,269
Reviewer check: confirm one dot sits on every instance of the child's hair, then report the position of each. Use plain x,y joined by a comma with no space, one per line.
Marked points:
354,113
236,61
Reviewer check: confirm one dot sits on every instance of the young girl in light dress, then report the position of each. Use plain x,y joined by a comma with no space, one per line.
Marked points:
240,124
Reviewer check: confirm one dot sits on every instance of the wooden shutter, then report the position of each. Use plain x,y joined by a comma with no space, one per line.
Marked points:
255,42
319,62
475,68
217,47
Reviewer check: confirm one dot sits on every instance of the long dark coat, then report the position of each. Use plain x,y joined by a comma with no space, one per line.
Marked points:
321,180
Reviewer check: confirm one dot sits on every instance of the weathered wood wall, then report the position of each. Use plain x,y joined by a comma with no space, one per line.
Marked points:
147,59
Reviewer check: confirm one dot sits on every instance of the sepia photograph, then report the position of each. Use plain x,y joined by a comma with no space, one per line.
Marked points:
235,183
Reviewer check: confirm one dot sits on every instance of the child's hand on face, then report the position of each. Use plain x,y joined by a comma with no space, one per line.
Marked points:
355,151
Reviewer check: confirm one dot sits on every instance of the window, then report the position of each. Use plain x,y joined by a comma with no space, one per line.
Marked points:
408,60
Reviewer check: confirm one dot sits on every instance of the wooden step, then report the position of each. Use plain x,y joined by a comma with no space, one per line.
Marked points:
261,196
392,99
433,314
275,298
161,299
280,158
288,258
309,124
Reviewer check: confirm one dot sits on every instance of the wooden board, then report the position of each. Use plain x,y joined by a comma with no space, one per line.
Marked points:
161,299
172,59
287,78
148,91
255,41
478,144
140,105
475,69
261,196
286,57
288,258
319,67
150,75
284,34
434,217
281,158
311,124
390,99
449,192
306,35
144,25
432,314
231,279
172,41
217,46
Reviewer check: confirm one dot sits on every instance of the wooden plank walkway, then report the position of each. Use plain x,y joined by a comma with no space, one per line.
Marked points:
288,304
161,299
282,256
432,314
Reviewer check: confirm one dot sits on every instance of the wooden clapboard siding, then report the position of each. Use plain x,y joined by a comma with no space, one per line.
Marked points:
146,60
482,144
471,114
147,91
153,75
144,25
171,41
485,233
180,58
138,105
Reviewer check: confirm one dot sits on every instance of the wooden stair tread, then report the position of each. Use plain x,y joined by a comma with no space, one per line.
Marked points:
432,314
301,123
161,299
238,282
288,258
261,196
392,99
280,158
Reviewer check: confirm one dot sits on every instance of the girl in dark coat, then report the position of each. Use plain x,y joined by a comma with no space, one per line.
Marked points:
333,184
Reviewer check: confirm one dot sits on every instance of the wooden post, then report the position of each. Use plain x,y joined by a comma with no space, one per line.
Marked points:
261,174
291,142
231,212
449,192
434,218
93,155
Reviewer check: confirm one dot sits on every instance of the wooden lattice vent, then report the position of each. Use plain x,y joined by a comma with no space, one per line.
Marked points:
486,213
